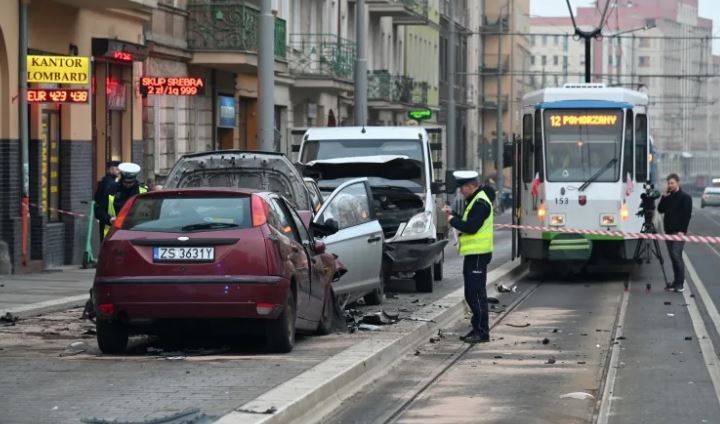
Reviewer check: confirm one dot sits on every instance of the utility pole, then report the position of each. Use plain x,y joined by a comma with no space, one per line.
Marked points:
499,163
361,83
451,119
266,77
24,137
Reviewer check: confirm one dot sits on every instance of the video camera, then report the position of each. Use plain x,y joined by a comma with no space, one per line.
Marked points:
647,201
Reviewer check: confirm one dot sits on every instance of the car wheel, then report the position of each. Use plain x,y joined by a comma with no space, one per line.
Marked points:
438,268
328,314
377,296
280,333
112,337
424,280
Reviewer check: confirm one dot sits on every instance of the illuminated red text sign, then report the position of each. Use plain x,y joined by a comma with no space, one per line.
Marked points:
57,95
173,86
120,55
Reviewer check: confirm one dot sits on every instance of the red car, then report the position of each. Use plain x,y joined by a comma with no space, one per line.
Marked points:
212,255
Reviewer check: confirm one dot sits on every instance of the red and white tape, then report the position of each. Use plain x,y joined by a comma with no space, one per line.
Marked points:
623,234
60,211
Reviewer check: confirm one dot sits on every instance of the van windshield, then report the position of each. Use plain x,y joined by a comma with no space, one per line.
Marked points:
333,149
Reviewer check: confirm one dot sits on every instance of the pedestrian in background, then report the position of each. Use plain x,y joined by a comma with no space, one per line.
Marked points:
104,188
128,187
476,246
676,205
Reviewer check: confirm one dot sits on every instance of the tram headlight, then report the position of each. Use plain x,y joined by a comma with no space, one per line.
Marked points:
624,212
557,220
608,220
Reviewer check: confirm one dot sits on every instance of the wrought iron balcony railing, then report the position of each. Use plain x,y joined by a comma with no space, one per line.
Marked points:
382,85
321,55
228,25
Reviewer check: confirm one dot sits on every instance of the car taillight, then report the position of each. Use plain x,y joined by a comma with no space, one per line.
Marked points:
259,211
106,309
120,219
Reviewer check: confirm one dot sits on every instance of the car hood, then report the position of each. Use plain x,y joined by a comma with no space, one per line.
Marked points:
392,167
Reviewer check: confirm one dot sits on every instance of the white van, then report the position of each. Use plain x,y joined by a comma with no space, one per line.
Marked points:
407,202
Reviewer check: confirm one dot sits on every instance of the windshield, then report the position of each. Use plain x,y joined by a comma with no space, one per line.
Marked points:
188,214
582,143
333,149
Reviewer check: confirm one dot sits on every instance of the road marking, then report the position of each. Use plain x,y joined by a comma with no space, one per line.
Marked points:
706,346
606,402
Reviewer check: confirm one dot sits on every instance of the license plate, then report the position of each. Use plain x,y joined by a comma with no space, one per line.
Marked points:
183,254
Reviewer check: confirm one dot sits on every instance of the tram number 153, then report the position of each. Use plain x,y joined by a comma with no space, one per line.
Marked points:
561,201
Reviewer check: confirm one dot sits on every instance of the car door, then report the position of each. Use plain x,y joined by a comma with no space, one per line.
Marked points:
359,240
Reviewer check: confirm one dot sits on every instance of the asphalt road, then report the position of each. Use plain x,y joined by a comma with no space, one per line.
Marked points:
572,351
51,370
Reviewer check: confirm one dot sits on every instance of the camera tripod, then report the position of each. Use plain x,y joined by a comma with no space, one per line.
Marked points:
645,248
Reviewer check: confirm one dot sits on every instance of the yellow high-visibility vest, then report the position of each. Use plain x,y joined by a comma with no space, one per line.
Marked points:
482,241
111,206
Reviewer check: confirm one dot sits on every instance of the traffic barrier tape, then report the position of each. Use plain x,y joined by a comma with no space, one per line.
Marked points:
622,234
61,211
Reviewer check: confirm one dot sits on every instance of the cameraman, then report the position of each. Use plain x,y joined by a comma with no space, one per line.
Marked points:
677,207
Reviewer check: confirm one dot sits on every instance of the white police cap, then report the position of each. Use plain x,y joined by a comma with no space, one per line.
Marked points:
464,177
129,170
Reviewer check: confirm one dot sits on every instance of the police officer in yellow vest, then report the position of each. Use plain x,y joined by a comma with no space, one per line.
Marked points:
476,246
128,187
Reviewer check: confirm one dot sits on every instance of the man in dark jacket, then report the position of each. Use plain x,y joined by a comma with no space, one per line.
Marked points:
105,187
677,207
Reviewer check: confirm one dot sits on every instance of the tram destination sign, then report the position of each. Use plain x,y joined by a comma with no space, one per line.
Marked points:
559,120
58,69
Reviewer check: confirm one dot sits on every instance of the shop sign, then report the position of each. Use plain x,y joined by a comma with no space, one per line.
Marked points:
420,114
57,95
58,69
226,112
172,86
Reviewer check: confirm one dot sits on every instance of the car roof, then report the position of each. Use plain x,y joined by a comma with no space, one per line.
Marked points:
366,133
712,189
234,152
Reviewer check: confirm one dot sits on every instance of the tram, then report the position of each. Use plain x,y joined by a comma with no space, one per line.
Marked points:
582,163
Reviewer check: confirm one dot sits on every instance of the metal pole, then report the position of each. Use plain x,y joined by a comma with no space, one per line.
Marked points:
266,76
588,44
499,165
361,83
24,137
452,144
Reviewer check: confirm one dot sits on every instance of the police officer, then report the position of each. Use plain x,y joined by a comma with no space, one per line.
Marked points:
476,246
128,187
105,187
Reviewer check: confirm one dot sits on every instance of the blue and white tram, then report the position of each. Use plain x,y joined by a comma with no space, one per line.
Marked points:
584,157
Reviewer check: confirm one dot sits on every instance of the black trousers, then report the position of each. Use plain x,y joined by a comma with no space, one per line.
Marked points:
475,275
675,249
101,226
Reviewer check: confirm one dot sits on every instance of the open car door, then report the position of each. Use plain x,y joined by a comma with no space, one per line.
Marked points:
358,241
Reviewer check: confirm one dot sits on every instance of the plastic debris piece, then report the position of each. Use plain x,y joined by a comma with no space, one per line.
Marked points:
510,324
545,341
550,361
671,315
688,338
621,338
577,395
502,288
368,327
582,362
667,302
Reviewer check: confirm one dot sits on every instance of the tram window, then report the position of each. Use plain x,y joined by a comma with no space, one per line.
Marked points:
641,147
527,148
628,152
538,146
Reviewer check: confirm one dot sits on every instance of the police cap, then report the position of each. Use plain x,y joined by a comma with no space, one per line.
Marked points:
129,171
464,177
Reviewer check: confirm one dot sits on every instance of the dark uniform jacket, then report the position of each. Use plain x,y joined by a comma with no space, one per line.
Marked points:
105,187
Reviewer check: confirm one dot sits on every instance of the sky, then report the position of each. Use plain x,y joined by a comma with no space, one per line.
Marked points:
708,9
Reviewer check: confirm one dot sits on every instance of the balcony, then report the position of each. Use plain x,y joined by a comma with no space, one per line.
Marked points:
388,91
489,102
420,93
224,34
461,17
492,64
403,12
321,61
495,24
461,98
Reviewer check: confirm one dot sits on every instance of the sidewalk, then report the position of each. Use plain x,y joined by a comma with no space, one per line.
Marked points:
31,294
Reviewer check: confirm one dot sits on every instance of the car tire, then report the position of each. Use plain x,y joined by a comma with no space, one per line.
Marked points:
438,268
424,280
377,296
280,332
327,319
112,337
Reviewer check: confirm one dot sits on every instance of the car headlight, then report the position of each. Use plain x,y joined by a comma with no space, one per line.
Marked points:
608,220
418,225
557,220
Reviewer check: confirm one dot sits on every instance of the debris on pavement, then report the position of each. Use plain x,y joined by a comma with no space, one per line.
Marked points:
550,361
667,302
368,327
688,338
188,416
545,341
9,319
671,315
75,348
502,288
510,324
493,300
577,395
271,410
380,318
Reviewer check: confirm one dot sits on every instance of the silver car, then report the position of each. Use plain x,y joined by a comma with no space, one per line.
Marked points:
710,197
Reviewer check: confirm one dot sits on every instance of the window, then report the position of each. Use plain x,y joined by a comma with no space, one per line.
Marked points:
545,38
299,225
645,42
527,148
538,146
532,60
565,62
532,40
350,207
641,148
279,220
644,61
610,60
544,60
556,60
172,214
629,160
557,40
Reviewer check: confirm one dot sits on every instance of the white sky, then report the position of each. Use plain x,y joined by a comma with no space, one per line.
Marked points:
708,9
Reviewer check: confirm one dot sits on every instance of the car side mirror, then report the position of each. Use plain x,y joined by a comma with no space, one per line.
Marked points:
450,183
319,247
328,228
437,187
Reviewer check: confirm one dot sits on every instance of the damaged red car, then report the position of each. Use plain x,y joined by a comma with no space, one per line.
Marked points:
216,257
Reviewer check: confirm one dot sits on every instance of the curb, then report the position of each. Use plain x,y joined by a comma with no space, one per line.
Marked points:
49,306
316,392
